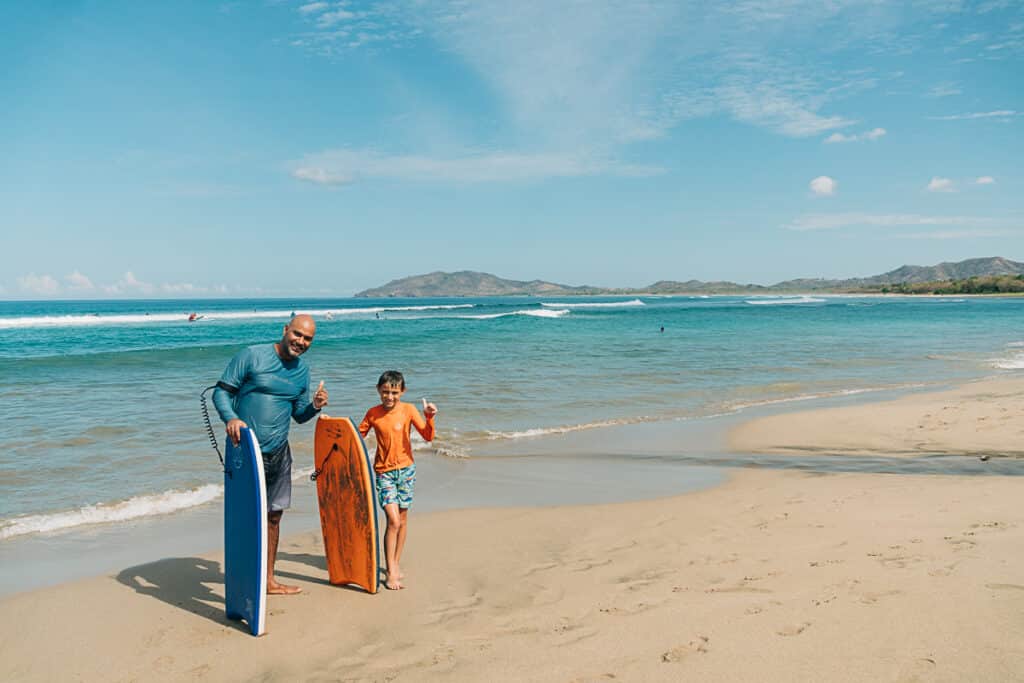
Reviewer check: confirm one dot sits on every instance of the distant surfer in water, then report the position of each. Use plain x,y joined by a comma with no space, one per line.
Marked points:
267,386
393,463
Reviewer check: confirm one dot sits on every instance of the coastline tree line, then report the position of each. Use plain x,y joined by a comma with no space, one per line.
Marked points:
989,284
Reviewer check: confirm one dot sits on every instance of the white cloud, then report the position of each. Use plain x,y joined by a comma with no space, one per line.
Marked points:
321,176
329,19
313,7
129,284
944,90
39,284
998,114
938,184
835,221
182,288
873,134
823,186
951,234
610,72
985,180
77,281
343,166
776,109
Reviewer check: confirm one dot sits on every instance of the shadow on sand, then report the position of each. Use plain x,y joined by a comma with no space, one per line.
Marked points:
184,582
315,561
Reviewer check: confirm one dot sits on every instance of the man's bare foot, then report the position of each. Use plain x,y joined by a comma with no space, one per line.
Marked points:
275,588
393,584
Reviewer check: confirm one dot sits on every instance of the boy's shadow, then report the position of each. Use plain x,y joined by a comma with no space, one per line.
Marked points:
183,582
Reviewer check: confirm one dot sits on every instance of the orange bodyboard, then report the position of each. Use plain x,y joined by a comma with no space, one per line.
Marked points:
348,514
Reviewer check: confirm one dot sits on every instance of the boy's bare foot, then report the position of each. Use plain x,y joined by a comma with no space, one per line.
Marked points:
275,588
393,584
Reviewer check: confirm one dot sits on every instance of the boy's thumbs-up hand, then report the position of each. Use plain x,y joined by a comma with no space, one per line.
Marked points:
320,397
429,409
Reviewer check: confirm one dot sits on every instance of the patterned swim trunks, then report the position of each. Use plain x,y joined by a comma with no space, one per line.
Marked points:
396,486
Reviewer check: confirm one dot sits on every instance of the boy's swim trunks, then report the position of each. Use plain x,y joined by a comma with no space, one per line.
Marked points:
396,486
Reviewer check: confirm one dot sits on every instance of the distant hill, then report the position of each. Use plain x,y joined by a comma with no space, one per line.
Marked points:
470,283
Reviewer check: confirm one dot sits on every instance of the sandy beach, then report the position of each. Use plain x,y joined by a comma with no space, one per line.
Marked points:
773,575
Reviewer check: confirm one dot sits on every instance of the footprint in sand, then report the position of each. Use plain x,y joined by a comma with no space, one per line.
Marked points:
871,598
454,610
629,611
540,568
588,564
598,677
1004,586
793,629
698,645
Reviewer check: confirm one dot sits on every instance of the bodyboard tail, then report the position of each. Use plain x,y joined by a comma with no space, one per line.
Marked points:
346,492
245,533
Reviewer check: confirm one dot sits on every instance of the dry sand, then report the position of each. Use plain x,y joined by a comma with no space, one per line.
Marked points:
775,575
980,418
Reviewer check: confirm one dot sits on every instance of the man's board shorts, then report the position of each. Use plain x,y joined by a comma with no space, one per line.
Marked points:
396,486
277,469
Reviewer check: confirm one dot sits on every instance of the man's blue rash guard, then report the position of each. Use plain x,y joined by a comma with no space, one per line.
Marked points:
265,392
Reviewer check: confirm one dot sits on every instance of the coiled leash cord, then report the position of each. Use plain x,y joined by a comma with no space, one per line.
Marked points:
316,473
209,428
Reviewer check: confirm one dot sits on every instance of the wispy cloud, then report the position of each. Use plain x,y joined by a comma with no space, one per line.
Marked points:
938,184
339,167
43,285
837,221
985,180
998,114
79,282
951,235
823,186
944,90
313,7
873,134
603,74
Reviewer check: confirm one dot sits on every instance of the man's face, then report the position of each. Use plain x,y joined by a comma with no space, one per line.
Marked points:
298,335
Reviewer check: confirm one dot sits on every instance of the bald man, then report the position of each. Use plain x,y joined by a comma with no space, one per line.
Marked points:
264,387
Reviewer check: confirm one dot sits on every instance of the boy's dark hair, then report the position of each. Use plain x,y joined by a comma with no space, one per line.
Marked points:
391,377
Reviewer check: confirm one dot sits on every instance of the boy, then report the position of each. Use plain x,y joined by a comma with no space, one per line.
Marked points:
393,463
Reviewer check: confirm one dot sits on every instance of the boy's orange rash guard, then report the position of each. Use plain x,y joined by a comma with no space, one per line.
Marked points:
394,449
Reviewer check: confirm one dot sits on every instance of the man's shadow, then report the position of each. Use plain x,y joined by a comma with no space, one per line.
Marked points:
314,561
184,582
317,562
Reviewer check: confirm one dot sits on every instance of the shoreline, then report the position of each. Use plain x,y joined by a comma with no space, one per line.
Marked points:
537,472
761,576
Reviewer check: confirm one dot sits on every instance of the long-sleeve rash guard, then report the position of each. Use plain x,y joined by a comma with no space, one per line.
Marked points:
265,392
391,427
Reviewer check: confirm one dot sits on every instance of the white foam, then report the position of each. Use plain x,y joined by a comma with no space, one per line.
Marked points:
91,320
104,513
610,304
1014,360
810,397
536,313
565,429
787,300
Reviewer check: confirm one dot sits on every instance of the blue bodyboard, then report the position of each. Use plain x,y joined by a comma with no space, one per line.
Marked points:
245,533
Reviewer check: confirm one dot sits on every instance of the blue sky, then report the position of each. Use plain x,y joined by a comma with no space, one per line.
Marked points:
320,148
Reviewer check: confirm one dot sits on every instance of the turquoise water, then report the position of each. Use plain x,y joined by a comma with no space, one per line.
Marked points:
99,401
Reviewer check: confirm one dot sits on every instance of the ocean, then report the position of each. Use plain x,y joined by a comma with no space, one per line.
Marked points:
101,423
